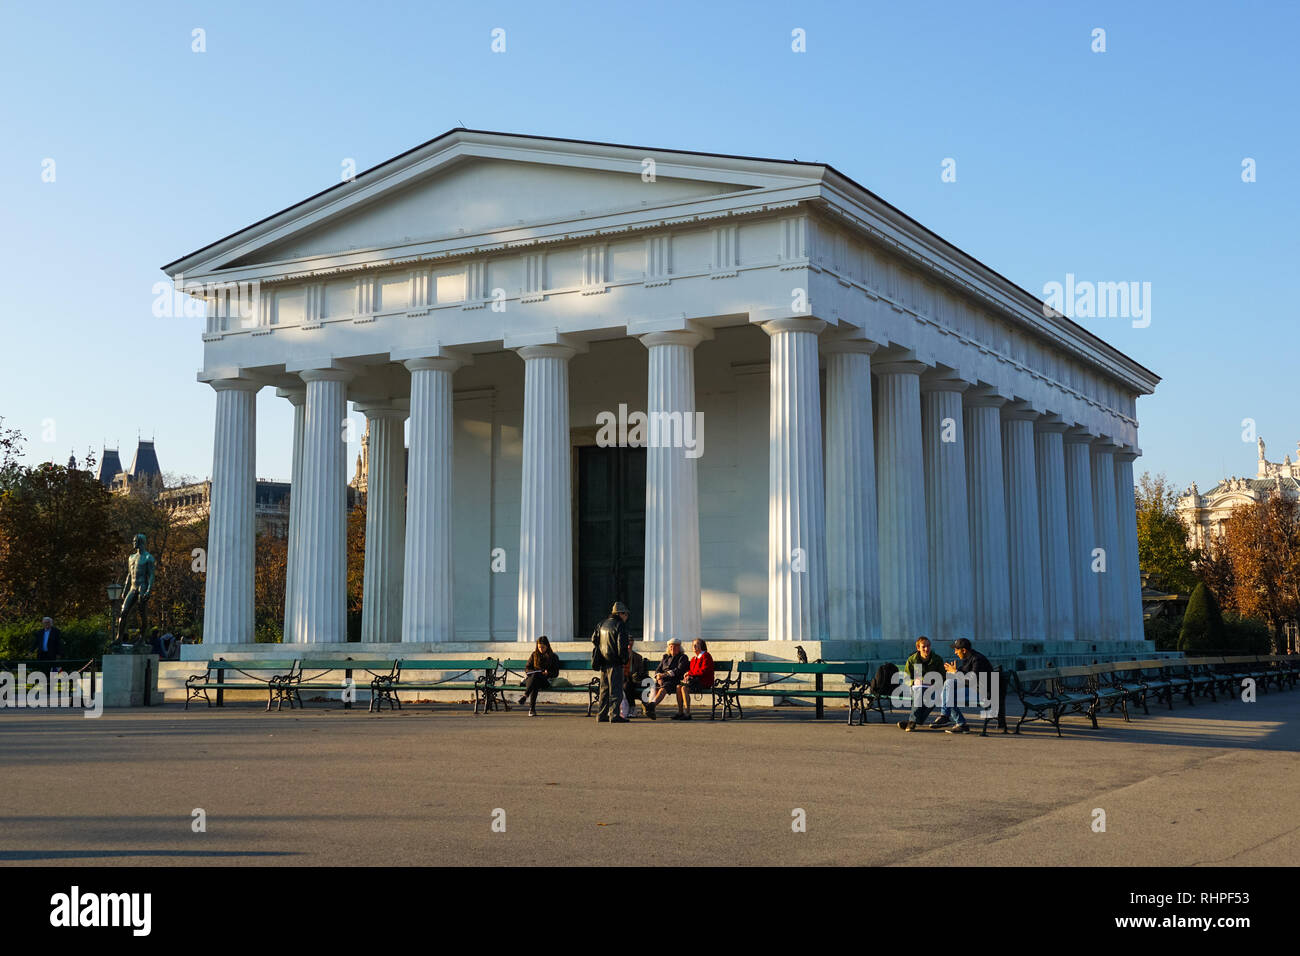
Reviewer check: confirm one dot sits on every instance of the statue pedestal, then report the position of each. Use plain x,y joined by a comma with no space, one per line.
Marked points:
130,680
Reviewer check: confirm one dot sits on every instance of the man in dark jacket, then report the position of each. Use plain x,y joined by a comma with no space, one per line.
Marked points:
970,664
613,649
49,641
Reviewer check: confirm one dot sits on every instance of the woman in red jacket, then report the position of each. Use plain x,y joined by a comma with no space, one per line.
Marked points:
698,679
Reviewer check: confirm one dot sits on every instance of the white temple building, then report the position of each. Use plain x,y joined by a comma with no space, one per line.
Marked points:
856,432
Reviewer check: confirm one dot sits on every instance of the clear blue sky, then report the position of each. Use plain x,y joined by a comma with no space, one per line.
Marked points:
1123,165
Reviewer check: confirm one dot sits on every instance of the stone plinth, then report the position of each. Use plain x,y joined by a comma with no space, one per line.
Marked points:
127,675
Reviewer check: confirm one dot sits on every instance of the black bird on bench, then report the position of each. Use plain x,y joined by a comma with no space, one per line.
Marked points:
799,653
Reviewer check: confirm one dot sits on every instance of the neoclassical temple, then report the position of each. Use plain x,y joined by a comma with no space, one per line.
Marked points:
853,430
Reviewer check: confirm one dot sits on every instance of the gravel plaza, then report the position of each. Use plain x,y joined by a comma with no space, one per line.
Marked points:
330,787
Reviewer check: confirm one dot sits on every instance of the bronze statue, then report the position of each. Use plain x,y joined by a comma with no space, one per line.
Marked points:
136,588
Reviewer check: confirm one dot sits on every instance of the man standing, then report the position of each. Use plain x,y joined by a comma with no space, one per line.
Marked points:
915,672
969,661
49,641
614,650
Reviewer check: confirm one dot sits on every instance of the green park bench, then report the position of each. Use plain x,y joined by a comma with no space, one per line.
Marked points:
575,673
327,675
727,692
1145,683
222,675
417,675
1051,693
1187,680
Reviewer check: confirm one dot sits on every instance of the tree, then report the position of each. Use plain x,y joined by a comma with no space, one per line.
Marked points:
1202,623
1262,542
56,542
1162,536
356,551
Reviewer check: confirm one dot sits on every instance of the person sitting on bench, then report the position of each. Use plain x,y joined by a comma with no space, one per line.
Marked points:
698,679
969,661
672,668
634,672
922,663
543,667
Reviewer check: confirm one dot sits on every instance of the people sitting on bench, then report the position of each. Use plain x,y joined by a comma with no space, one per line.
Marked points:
969,661
698,679
634,672
672,668
542,668
922,662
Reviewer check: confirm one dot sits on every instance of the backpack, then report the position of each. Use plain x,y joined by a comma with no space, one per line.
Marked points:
882,685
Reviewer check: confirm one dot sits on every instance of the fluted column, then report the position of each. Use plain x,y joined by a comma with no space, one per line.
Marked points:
1130,580
946,508
1083,534
1054,530
320,594
672,508
383,580
1024,542
852,565
900,492
545,519
298,399
228,588
796,542
1106,534
428,581
990,566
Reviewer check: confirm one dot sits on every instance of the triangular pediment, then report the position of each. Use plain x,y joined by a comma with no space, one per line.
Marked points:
492,188
480,196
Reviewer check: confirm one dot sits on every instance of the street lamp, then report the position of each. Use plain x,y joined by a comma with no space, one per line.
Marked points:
114,595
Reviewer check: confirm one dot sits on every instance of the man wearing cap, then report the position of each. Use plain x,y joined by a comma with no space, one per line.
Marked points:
969,661
614,650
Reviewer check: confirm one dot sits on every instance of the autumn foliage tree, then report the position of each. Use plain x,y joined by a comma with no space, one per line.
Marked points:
1260,545
1162,537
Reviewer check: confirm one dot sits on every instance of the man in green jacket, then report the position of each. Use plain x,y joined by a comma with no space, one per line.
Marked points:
914,673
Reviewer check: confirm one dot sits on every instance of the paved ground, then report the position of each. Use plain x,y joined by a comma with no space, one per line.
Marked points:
1213,784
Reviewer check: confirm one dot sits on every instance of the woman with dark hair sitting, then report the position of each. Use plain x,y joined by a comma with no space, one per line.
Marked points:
698,679
542,668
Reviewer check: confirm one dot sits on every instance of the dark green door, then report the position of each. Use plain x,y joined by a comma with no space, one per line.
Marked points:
611,534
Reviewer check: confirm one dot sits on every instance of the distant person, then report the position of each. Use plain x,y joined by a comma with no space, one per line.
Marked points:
609,656
673,666
699,678
168,645
969,661
634,672
922,662
49,641
543,667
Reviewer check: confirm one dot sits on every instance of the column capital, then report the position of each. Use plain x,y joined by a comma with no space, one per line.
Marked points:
1105,445
326,374
1052,424
386,409
686,337
564,352
984,396
1018,412
295,396
441,363
1126,453
838,342
793,323
1078,435
452,358
943,380
235,384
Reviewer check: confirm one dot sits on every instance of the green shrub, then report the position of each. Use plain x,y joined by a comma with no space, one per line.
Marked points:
1247,635
1202,629
85,637
1164,631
